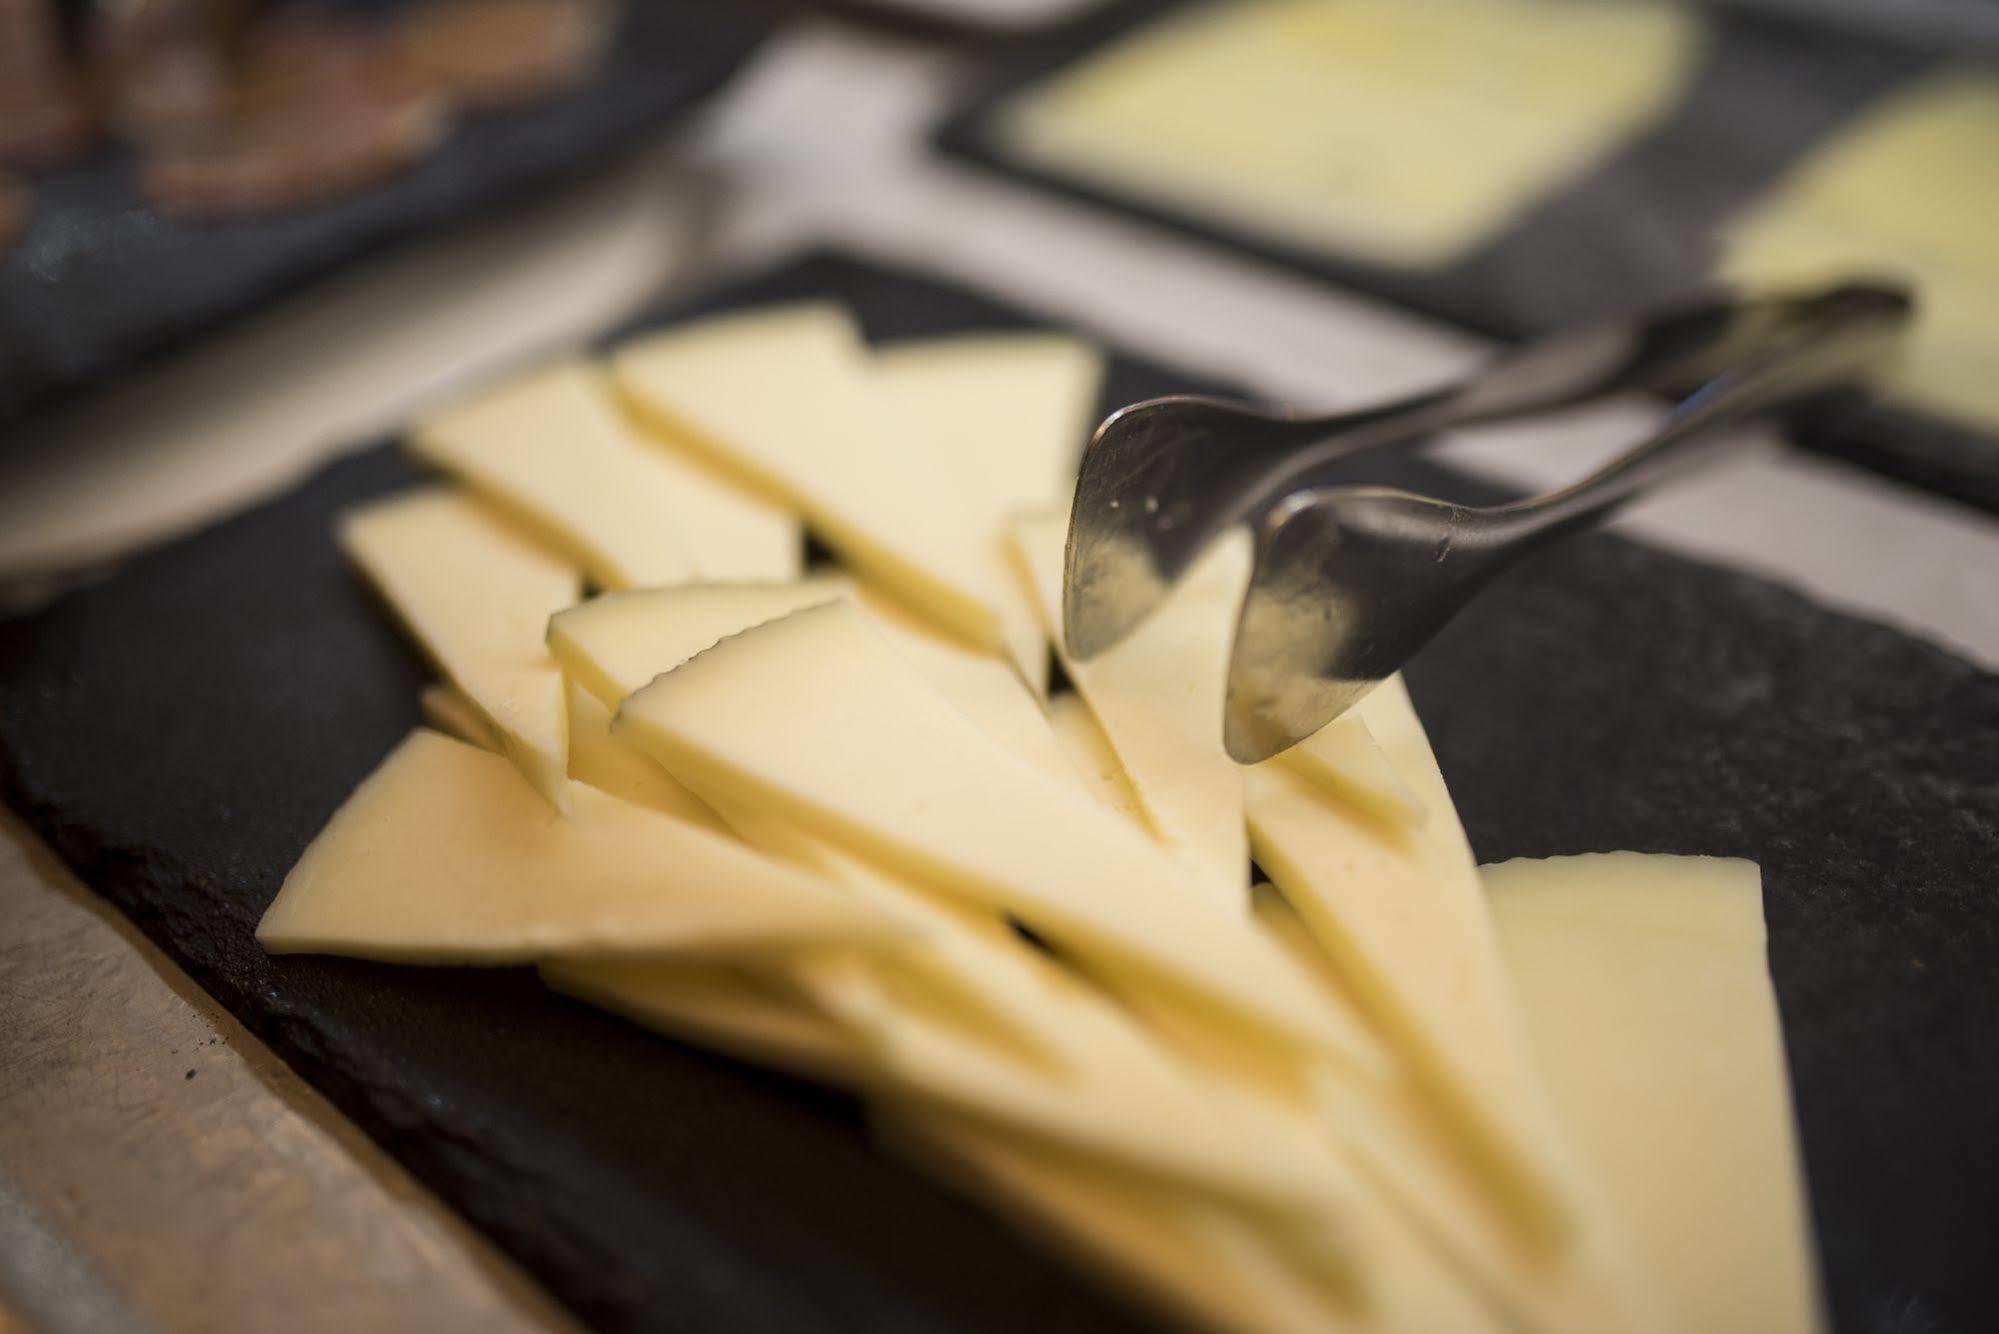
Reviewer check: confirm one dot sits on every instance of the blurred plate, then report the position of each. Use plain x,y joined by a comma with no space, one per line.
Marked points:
1637,223
98,279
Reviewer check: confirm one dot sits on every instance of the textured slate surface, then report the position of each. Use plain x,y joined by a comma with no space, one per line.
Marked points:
99,279
179,732
1634,229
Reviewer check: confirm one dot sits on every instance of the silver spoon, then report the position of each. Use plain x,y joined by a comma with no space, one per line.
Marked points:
1349,582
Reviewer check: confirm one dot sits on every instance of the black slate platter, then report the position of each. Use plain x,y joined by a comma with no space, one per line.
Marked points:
1633,229
98,279
180,731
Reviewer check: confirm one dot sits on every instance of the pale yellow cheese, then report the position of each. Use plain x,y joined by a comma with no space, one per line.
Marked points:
1008,413
1403,914
616,643
816,719
1089,752
721,1006
1198,1263
476,592
553,447
1909,191
784,396
1586,1283
966,1015
1158,695
595,758
446,709
1404,132
444,855
1647,996
1344,758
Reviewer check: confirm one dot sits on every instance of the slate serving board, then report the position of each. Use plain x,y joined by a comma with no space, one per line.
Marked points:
1634,229
98,279
180,731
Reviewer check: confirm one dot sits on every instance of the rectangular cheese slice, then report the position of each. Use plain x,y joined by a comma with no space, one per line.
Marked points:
1587,1283
444,855
816,719
1648,1001
1404,132
1403,915
1009,414
1158,696
784,397
476,592
556,448
1908,190
720,1006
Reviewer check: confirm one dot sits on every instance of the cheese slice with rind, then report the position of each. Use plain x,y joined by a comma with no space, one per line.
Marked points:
1403,915
556,448
1648,1001
1009,414
444,855
476,592
1158,695
784,397
780,715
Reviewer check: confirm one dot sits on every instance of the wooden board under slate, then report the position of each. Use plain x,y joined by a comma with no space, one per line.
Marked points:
98,279
1635,229
180,731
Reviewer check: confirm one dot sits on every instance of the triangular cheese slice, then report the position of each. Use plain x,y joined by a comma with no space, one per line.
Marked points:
1404,917
784,397
1089,752
605,764
1158,696
443,855
1009,414
1344,758
815,718
476,592
446,709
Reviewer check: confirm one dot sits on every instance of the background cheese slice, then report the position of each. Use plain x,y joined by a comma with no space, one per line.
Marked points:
1404,132
1009,415
445,855
784,396
815,718
1908,189
476,592
553,448
1158,696
1647,996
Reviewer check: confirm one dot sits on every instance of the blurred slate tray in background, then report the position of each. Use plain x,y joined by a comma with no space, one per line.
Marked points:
180,731
1637,229
98,280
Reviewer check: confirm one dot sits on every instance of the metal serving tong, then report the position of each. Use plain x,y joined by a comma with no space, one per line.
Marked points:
1349,581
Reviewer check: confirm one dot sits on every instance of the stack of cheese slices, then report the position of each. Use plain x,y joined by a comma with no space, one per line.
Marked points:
834,821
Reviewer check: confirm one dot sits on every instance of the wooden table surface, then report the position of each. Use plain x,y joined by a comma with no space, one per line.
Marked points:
158,1168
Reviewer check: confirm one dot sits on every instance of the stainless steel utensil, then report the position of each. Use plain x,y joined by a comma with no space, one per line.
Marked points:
1349,581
